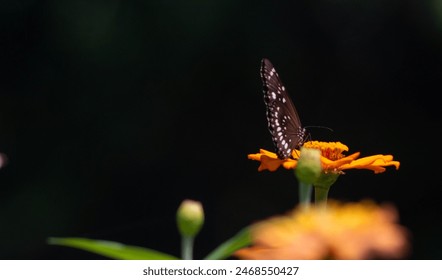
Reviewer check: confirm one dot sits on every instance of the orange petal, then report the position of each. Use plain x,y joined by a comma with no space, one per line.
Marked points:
375,163
269,163
261,153
375,169
290,164
332,164
270,154
254,156
390,162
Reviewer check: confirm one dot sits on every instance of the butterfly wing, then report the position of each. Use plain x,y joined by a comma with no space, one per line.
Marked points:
283,120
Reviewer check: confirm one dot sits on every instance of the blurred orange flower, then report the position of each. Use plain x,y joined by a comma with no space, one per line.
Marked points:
361,230
332,159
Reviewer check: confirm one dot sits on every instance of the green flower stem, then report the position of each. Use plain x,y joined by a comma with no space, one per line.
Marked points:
321,195
187,247
305,193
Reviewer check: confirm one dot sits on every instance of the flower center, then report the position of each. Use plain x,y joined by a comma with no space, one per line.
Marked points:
330,150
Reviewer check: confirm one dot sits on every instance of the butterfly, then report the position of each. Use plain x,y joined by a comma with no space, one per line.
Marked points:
283,120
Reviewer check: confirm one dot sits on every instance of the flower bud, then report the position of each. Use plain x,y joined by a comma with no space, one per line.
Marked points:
190,218
309,166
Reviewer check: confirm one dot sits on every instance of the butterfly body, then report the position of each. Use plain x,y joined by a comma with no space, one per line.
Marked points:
283,120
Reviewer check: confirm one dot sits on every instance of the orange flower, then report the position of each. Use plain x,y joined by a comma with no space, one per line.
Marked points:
332,159
343,231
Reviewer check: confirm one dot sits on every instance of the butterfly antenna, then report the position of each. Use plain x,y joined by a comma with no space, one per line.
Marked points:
318,126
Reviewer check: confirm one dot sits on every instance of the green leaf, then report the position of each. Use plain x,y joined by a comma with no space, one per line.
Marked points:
111,249
226,249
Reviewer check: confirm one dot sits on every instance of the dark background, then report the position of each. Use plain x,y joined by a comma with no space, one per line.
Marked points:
113,112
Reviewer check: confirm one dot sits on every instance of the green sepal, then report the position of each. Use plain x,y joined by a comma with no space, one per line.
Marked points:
326,180
322,186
